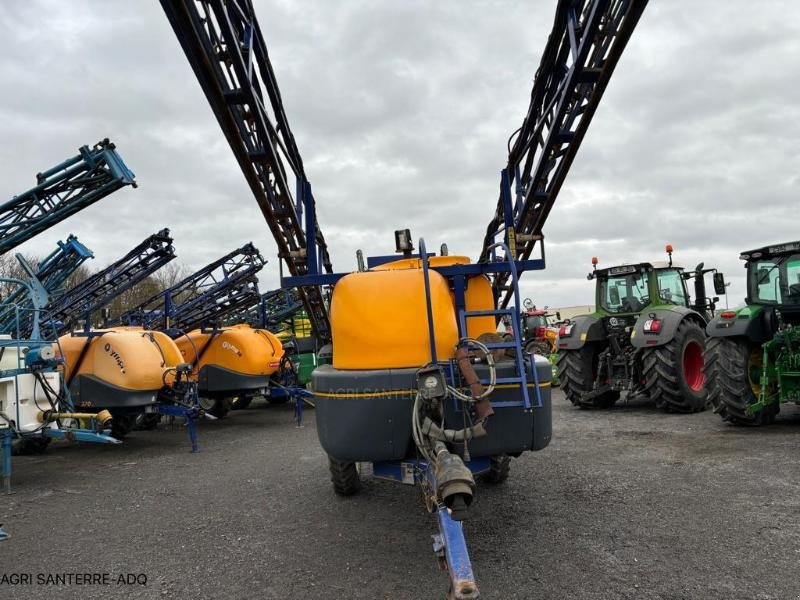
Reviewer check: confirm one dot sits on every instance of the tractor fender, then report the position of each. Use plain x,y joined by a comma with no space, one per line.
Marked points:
584,328
670,319
751,322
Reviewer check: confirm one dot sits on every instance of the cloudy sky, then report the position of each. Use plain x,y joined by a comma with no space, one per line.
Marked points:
402,110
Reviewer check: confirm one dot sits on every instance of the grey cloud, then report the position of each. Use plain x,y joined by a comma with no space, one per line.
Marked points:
402,112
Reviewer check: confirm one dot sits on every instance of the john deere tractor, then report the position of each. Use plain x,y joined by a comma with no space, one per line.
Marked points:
753,354
646,337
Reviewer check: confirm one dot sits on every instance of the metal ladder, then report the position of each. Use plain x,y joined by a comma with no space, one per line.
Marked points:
521,376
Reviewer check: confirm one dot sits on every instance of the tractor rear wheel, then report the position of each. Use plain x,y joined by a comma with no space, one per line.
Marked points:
577,371
499,468
673,373
345,477
733,370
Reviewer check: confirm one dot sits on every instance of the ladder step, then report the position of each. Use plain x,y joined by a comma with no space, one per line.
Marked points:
487,313
499,345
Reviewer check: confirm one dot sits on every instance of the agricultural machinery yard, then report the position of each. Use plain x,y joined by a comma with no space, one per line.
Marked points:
367,414
646,505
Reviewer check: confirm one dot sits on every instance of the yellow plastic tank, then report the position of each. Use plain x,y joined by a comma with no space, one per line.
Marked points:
239,349
125,357
379,319
478,295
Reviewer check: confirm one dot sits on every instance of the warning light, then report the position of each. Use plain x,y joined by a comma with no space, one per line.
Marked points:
594,260
669,248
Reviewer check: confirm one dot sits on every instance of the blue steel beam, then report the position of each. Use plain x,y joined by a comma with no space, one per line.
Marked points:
52,272
585,44
102,287
204,298
223,42
62,191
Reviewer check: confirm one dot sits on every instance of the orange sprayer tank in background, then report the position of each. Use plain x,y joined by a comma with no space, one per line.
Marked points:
373,329
231,359
120,367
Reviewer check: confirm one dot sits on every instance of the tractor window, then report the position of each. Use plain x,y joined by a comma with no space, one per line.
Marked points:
793,281
670,287
534,321
624,293
775,280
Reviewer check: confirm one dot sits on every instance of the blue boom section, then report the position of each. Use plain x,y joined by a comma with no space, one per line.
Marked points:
225,47
52,272
102,287
272,308
62,191
204,298
585,44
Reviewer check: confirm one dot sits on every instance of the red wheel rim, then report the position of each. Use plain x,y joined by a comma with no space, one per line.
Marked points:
693,366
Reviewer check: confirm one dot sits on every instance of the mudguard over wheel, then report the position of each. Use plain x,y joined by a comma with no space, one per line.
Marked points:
345,477
577,371
673,373
732,368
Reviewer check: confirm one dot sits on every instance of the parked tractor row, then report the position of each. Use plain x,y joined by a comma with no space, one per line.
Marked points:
650,339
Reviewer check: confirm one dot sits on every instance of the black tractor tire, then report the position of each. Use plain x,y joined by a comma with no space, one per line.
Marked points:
729,386
499,468
540,347
344,476
216,407
673,373
577,371
26,446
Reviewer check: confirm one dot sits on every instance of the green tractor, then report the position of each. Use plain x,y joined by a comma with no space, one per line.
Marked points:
753,353
645,337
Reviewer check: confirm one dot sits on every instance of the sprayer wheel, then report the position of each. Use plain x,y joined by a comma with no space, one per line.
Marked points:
241,402
217,407
122,426
26,446
147,421
345,477
499,468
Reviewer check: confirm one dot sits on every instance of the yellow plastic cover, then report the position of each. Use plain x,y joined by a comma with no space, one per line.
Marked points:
379,319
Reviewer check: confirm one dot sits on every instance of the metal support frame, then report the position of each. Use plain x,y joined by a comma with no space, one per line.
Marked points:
63,190
52,272
102,287
585,44
449,545
203,298
224,45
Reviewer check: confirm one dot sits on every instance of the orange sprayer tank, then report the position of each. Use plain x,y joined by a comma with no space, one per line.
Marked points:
231,359
117,367
373,329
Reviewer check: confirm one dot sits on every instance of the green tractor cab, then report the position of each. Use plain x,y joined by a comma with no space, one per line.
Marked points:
753,354
646,337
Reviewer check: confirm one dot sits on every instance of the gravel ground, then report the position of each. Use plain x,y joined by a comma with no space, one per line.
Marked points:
627,503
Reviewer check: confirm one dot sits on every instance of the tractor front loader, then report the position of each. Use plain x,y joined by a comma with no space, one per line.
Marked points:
752,361
645,338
